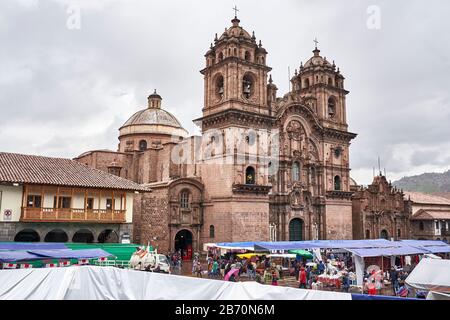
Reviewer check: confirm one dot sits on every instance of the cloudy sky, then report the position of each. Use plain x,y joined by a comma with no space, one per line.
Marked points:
68,84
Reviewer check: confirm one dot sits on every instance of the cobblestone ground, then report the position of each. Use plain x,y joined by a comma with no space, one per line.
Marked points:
186,270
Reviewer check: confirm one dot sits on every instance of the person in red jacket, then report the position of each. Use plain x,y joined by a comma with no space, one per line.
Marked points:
302,278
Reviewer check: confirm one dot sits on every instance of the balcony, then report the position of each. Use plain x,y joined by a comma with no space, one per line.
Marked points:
72,215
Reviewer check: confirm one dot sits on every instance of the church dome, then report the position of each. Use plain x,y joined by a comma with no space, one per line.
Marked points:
153,117
153,120
236,32
317,60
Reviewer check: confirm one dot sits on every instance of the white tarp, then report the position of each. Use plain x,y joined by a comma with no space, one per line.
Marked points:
109,283
431,275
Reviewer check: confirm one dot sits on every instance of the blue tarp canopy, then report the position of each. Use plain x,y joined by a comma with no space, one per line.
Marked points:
387,252
322,244
70,254
31,246
13,256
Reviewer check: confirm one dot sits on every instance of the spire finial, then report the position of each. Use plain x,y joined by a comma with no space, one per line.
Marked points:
270,79
316,42
235,11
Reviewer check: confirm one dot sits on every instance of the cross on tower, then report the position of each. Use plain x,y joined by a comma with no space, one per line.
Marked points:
316,42
235,11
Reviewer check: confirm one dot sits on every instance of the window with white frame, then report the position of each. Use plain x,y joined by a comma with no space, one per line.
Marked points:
184,200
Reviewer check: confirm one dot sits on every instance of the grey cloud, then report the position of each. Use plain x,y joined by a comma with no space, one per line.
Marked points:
63,92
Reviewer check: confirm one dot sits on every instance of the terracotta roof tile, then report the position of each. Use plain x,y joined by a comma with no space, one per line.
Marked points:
419,197
19,168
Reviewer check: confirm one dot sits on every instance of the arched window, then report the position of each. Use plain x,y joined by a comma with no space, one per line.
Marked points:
331,107
247,86
421,227
399,233
220,57
211,231
262,60
142,145
337,183
250,175
247,56
184,200
219,86
367,234
330,81
306,83
295,171
235,51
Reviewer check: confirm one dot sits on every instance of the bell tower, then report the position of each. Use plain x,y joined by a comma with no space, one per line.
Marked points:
236,124
236,74
322,84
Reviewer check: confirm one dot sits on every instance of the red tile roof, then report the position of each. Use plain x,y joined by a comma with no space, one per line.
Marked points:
29,169
426,214
419,197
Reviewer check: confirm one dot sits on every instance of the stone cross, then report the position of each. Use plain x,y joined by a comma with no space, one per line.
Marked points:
316,42
235,10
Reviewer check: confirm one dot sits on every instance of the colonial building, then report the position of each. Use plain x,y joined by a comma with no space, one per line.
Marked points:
60,200
264,168
380,211
430,218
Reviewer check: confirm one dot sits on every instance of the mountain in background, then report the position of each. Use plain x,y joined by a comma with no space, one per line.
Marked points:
434,183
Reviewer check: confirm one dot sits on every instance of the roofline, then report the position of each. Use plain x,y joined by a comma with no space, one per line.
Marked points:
21,183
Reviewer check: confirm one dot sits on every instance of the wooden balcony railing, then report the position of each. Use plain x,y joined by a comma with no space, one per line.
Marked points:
72,215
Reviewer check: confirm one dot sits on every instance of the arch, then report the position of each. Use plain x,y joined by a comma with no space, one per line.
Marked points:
384,234
212,231
307,83
220,57
83,236
296,229
337,183
330,81
367,234
295,171
219,86
247,56
27,235
142,145
185,199
108,236
56,235
331,107
248,85
183,243
250,175
399,233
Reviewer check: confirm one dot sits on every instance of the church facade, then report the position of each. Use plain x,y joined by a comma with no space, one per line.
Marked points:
264,168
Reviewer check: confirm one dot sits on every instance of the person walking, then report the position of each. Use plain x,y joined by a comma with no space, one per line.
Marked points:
302,278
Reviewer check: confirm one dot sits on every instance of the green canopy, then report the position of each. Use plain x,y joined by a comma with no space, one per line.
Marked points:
302,253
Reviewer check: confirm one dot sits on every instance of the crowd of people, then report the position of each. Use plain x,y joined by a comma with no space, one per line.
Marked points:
334,271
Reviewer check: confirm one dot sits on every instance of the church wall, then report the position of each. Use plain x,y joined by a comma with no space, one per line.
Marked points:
250,221
218,215
154,219
338,219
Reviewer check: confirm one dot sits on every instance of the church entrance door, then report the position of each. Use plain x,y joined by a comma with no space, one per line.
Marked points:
384,234
296,230
183,242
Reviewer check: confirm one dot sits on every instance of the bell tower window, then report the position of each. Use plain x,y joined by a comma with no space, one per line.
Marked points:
247,56
250,175
306,83
219,87
337,183
247,86
331,107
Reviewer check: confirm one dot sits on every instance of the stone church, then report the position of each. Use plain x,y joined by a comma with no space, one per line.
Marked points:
264,168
